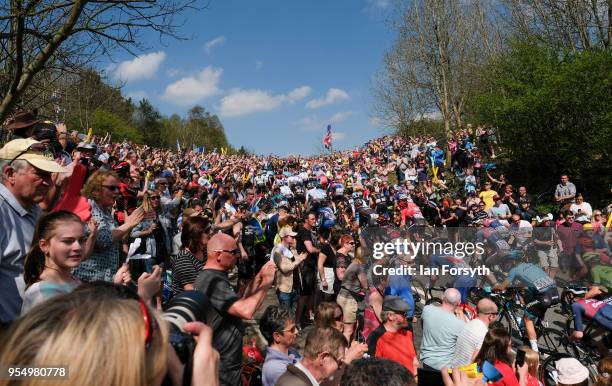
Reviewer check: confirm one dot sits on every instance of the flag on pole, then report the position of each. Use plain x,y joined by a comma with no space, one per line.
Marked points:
327,140
89,134
178,146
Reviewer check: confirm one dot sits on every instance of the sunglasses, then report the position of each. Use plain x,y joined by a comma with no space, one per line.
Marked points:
338,318
293,329
154,198
34,148
235,252
148,323
112,188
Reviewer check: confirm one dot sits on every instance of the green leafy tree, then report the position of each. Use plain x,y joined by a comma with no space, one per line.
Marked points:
552,110
147,120
106,122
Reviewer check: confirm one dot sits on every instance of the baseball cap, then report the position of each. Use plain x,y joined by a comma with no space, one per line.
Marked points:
286,231
548,217
27,150
570,371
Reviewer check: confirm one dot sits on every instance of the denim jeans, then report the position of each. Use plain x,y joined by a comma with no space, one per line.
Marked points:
287,299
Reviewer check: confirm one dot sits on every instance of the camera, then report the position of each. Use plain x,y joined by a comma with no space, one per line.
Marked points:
188,306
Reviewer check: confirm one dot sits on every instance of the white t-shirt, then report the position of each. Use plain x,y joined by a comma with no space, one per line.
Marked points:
469,341
585,211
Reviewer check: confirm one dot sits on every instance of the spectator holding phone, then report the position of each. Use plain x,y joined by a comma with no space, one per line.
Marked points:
496,349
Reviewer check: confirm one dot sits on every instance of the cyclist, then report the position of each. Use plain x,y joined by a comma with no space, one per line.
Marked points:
597,306
493,233
540,293
463,282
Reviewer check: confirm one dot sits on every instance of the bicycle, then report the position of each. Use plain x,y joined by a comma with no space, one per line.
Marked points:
510,317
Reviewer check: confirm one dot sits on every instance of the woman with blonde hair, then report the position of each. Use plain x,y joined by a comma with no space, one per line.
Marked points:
149,229
102,190
120,341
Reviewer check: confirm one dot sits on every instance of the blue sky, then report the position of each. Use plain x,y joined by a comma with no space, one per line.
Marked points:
276,72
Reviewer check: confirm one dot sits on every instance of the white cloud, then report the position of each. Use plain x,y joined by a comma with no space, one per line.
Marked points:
333,95
381,4
213,43
141,67
258,65
338,135
241,102
193,88
298,93
138,95
339,117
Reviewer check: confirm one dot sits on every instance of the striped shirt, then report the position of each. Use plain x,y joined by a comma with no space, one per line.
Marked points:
185,269
469,341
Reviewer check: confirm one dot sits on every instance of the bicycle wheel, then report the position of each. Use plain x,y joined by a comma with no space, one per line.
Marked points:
552,341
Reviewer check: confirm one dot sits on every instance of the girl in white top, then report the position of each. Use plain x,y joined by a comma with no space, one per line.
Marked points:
57,248
59,245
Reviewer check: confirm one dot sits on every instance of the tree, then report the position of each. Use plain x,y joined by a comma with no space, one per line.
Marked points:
573,25
57,37
552,109
106,122
431,67
148,122
200,128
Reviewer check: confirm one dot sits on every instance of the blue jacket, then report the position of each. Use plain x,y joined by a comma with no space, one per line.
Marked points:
275,365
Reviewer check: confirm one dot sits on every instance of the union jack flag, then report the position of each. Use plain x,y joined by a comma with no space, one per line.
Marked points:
327,140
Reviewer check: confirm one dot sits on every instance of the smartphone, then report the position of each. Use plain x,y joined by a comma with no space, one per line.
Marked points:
520,358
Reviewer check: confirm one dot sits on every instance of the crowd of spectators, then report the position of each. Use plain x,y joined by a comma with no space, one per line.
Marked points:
97,237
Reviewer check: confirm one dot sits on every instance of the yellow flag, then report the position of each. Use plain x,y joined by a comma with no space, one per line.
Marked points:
89,134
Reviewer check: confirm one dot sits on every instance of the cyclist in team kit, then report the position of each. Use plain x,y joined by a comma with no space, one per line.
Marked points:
597,307
540,293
